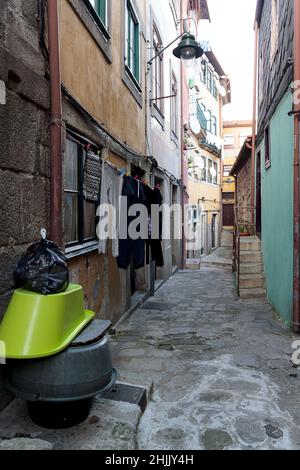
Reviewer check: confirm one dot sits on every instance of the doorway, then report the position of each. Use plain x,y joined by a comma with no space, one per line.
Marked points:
228,215
213,230
258,194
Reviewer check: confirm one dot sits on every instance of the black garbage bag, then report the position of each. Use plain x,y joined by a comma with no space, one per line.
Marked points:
43,268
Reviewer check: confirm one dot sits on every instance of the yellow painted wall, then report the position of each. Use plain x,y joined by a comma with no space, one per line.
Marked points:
239,130
95,83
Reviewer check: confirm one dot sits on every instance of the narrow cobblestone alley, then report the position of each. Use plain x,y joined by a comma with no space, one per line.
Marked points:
217,369
221,368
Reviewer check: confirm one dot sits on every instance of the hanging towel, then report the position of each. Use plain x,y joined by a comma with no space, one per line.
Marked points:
92,177
111,186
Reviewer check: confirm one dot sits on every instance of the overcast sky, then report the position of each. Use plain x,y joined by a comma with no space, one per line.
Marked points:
231,36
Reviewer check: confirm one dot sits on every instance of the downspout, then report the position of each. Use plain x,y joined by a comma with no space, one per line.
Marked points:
254,123
56,124
182,151
296,300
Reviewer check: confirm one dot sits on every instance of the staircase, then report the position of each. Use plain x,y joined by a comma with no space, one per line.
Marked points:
252,278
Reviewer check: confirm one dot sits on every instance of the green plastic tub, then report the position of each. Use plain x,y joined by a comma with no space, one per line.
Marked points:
36,326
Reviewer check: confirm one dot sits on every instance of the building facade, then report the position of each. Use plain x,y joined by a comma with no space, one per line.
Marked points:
209,92
235,134
274,165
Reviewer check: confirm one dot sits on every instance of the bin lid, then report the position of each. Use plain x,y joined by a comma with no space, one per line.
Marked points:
36,325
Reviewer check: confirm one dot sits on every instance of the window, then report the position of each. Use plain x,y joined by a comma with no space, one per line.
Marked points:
204,169
174,105
157,71
215,173
226,170
79,212
209,121
209,174
214,125
209,80
274,29
267,148
132,43
204,71
215,89
100,6
228,196
229,140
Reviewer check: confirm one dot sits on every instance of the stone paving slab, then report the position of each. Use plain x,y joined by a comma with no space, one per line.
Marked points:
217,370
221,368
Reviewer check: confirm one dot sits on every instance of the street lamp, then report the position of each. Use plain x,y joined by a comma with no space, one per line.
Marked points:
188,50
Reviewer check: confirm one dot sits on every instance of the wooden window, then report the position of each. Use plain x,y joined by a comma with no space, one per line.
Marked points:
157,71
132,60
79,213
174,105
267,147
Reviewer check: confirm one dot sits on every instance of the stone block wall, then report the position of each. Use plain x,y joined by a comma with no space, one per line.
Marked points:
24,141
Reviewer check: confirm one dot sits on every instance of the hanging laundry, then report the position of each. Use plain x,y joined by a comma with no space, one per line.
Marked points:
154,242
129,249
111,184
92,177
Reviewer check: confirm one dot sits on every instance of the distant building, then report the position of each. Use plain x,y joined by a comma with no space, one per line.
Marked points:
234,135
209,92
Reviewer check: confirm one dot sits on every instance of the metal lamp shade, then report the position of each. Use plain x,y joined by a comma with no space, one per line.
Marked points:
188,49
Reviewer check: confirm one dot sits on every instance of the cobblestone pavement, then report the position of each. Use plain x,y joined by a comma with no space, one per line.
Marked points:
221,367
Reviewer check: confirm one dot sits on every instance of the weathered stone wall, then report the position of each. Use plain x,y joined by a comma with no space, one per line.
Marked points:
244,193
24,141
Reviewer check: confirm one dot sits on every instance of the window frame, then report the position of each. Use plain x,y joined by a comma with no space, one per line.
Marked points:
157,70
101,33
82,245
97,8
130,81
174,108
267,142
132,47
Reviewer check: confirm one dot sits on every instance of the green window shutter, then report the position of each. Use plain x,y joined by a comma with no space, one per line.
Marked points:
137,52
132,43
101,7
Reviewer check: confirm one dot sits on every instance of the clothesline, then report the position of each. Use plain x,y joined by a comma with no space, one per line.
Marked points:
124,172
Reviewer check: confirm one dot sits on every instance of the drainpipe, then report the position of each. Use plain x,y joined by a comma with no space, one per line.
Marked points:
254,127
296,306
182,148
56,124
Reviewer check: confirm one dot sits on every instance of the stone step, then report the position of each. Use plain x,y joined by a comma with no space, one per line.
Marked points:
252,293
250,244
250,257
251,268
252,281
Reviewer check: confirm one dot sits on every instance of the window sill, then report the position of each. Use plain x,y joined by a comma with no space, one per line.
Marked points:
81,250
157,114
94,25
